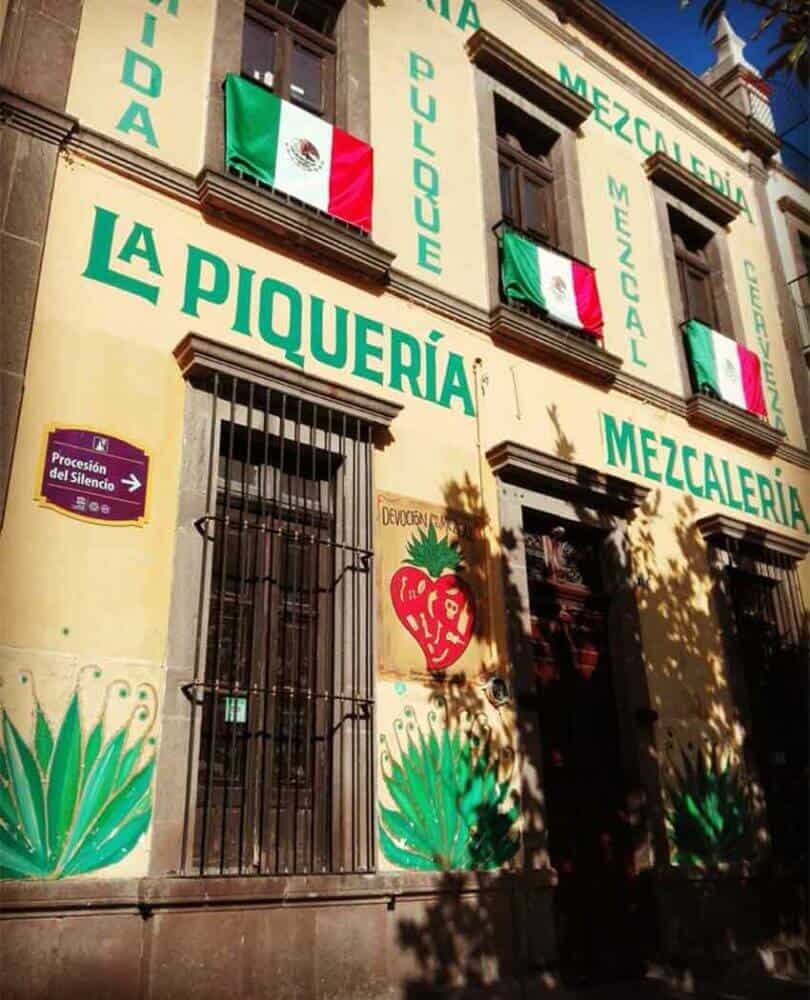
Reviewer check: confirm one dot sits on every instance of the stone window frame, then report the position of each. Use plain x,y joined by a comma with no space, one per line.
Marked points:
500,71
674,187
299,229
797,224
578,494
198,359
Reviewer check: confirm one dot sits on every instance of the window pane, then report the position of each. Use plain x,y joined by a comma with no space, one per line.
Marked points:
259,52
306,80
700,296
505,177
533,198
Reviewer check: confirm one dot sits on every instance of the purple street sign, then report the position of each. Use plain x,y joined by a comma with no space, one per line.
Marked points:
94,476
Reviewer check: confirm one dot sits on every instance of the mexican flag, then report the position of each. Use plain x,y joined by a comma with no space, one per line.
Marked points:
729,369
565,288
298,153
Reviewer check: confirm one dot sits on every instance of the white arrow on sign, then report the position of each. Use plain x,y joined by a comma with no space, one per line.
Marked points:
132,482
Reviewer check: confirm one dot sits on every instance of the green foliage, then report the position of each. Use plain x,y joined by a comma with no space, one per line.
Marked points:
708,817
427,551
69,806
792,20
451,811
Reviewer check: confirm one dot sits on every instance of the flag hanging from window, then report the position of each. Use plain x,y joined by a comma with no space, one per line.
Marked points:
565,288
726,367
298,153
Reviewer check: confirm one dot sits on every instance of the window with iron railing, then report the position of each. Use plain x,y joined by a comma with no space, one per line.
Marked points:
284,690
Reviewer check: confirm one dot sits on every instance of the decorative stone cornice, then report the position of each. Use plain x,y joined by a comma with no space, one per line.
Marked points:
541,340
518,73
201,358
539,471
301,228
130,163
35,119
794,208
733,423
717,529
675,178
654,64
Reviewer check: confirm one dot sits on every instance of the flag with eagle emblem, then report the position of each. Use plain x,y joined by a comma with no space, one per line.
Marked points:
563,287
298,153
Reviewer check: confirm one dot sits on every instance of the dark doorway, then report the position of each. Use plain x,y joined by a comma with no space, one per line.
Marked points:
590,841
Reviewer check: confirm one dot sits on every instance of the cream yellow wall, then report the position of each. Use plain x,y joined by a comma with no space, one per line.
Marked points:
401,30
177,40
101,357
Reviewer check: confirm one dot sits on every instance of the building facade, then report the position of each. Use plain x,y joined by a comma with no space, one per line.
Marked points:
405,501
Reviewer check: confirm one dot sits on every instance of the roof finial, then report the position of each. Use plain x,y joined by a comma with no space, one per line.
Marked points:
729,45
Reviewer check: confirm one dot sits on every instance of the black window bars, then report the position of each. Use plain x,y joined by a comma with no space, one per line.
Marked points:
283,696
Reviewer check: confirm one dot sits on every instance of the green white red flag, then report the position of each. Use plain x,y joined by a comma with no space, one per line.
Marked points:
296,152
565,288
726,367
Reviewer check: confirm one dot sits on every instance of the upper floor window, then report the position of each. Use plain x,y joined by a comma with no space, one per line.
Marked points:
293,54
525,172
692,261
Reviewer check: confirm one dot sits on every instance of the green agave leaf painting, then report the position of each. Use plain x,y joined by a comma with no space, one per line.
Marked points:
70,803
708,816
452,811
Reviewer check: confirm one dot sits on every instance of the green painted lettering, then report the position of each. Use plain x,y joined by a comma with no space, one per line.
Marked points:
710,481
428,113
627,279
244,300
766,498
363,350
468,16
428,253
601,105
100,255
578,84
732,501
137,119
618,191
649,453
620,220
672,456
640,124
195,291
141,243
689,454
420,68
288,340
796,512
455,385
402,369
620,443
621,121
152,84
747,491
337,357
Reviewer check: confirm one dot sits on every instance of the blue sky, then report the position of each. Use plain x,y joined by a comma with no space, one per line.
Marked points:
681,36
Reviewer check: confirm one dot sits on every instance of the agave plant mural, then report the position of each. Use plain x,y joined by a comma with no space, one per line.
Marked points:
451,808
708,816
71,802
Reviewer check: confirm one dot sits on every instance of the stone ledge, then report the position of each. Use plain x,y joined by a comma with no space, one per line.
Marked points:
718,528
292,225
566,351
35,119
537,470
147,894
515,71
733,423
671,176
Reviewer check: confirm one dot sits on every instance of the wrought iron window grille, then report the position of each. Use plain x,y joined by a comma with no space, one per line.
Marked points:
283,698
